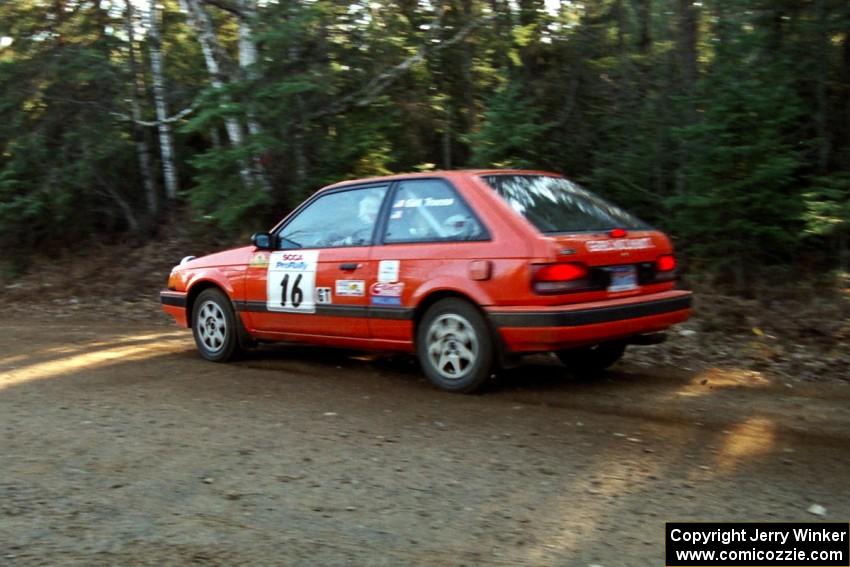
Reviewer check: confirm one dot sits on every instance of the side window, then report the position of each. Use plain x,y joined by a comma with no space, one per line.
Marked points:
344,218
429,210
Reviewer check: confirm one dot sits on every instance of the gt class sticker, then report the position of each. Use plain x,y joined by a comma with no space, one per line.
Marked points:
385,293
291,282
323,295
350,288
626,244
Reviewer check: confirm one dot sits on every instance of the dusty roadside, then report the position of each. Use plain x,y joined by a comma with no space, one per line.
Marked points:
120,446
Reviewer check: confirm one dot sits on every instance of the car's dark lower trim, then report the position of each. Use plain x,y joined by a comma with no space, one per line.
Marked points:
394,313
174,298
577,317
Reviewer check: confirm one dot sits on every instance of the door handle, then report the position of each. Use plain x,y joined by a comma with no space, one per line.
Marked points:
349,266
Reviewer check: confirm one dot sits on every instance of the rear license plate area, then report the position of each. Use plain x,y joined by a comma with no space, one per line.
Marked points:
623,278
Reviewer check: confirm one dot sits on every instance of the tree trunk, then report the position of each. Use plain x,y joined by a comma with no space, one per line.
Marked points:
247,62
143,152
687,56
447,139
469,98
200,21
687,44
620,15
822,110
166,146
644,18
300,125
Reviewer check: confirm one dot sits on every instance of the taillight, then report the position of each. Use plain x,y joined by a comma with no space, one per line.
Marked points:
559,278
666,263
617,233
665,268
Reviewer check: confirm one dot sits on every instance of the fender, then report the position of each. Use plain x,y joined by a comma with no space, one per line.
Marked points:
214,276
455,284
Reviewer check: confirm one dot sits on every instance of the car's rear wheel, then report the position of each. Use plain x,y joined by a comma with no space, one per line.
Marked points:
455,347
214,326
592,359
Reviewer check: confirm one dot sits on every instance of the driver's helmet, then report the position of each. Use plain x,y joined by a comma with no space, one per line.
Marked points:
368,210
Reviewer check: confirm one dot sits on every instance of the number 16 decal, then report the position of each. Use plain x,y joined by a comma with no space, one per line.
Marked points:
292,281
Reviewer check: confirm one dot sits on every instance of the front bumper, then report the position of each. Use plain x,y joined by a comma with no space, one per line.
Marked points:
537,329
174,303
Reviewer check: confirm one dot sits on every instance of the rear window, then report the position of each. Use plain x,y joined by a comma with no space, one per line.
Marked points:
555,205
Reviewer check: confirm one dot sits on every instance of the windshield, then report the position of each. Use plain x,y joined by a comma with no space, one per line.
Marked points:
554,204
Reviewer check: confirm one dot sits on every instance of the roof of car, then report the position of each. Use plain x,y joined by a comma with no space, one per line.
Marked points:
448,174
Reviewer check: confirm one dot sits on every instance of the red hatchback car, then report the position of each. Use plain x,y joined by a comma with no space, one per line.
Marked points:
467,269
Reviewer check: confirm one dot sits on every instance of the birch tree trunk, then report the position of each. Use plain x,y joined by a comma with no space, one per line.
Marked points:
247,63
143,152
166,146
200,21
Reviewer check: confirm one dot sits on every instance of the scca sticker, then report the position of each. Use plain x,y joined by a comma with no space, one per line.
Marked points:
627,244
291,282
386,293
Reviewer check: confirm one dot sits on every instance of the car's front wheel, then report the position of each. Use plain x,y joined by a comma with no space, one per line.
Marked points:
592,359
455,347
214,326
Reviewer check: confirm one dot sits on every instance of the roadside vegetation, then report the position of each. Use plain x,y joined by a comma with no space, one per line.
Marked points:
724,122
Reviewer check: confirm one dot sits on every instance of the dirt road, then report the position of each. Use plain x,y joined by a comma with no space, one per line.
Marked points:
119,446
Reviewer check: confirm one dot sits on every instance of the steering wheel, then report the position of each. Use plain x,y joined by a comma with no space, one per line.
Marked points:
360,236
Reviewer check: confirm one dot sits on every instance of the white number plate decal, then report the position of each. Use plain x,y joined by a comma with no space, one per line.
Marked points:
292,281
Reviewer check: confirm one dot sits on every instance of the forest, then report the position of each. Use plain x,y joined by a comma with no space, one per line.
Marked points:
724,122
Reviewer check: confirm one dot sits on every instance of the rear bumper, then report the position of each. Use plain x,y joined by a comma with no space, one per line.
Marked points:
535,329
174,303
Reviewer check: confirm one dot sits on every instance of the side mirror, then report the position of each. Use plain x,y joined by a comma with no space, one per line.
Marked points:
262,240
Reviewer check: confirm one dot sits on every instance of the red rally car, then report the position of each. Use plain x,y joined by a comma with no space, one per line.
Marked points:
467,269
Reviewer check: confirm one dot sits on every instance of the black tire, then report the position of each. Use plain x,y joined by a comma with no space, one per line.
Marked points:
214,326
455,333
591,360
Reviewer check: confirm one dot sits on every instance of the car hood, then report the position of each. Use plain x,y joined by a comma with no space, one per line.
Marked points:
232,257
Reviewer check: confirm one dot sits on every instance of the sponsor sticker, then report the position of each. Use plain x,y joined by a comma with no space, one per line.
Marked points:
350,288
619,244
388,270
386,293
259,260
420,202
386,289
323,295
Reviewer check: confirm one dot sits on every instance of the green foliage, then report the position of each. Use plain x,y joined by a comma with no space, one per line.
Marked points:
827,204
732,134
741,202
513,134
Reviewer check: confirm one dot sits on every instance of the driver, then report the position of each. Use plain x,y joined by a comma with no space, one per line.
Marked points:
361,232
368,210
